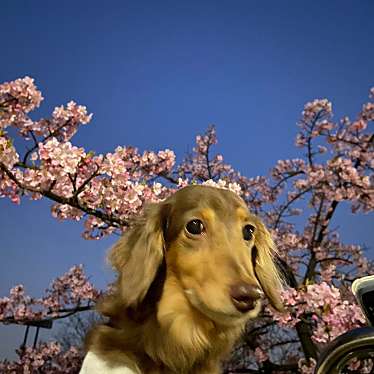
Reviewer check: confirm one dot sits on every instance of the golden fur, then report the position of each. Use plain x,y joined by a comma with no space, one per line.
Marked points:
171,309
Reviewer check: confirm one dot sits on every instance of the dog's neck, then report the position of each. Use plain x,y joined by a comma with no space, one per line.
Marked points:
167,333
183,339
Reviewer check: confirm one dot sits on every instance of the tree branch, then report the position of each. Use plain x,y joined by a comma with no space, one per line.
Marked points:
72,201
67,313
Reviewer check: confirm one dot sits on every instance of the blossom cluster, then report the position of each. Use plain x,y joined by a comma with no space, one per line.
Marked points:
307,367
21,96
108,186
17,98
106,190
9,156
325,309
200,166
70,291
224,184
47,358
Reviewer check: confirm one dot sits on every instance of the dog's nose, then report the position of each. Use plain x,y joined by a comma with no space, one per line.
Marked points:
244,296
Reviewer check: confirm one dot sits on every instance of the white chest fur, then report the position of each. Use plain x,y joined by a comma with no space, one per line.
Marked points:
93,364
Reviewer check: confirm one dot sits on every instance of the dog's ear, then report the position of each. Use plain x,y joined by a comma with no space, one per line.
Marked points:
267,273
139,253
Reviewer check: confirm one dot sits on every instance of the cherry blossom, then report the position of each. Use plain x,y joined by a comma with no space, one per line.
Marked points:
297,200
46,358
325,308
69,293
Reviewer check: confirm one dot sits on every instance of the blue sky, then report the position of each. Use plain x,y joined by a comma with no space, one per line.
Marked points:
155,74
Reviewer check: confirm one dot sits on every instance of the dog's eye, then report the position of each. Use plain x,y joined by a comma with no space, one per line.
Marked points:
248,231
195,227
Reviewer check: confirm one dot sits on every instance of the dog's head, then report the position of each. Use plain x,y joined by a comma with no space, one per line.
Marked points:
221,256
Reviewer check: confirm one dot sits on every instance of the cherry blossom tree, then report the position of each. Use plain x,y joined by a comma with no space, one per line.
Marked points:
297,201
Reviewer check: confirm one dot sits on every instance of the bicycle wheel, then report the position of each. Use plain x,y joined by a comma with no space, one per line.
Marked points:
354,344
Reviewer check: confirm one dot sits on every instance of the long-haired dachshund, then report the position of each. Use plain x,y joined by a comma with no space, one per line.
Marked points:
192,270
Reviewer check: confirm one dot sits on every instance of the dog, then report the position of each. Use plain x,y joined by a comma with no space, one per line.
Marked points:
192,270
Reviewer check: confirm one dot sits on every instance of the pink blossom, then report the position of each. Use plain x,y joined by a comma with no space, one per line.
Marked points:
68,291
16,99
261,355
307,367
332,315
8,155
46,358
105,191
